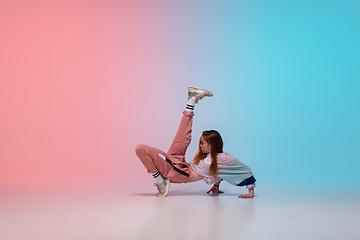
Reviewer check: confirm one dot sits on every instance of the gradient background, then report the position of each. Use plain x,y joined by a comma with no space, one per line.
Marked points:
83,82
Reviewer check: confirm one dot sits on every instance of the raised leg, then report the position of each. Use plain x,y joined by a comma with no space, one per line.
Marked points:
182,138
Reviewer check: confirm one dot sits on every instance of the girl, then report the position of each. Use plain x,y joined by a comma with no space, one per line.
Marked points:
210,164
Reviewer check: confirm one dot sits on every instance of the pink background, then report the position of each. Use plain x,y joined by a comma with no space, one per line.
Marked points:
82,82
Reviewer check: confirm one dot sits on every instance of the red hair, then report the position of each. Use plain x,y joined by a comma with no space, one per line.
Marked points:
213,138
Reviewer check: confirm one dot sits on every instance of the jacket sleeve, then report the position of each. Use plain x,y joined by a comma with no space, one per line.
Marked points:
211,180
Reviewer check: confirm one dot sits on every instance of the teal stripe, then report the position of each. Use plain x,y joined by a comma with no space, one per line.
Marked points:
236,173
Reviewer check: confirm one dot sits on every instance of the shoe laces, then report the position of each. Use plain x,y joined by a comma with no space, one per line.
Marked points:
160,187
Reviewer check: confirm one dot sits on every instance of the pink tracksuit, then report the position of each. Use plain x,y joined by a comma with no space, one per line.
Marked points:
171,165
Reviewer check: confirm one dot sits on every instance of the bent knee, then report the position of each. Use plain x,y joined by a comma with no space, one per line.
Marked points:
140,148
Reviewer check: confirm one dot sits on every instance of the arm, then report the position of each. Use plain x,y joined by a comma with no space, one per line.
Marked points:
251,192
215,189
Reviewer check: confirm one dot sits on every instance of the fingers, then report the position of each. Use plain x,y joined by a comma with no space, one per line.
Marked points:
246,196
214,190
211,190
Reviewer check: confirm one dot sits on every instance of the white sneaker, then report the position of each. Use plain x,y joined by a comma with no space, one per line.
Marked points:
198,93
163,188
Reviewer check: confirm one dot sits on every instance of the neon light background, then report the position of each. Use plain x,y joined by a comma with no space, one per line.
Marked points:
83,82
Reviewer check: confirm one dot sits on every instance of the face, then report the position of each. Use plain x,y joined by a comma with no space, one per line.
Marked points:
204,146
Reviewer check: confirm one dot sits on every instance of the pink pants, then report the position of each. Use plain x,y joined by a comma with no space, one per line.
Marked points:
171,165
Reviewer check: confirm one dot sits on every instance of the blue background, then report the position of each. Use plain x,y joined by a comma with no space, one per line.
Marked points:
286,83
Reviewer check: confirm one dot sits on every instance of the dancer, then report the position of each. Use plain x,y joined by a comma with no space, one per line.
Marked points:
210,164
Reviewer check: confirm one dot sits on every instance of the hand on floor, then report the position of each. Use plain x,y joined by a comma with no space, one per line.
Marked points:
246,195
214,191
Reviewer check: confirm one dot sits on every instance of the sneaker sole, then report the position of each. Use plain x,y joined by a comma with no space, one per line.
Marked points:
192,90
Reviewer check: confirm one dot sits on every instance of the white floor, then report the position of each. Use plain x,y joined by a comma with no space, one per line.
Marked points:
187,213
